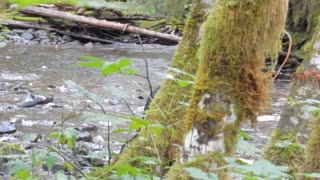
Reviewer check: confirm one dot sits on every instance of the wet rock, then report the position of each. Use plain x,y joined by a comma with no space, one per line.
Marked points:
41,34
27,35
33,137
66,38
113,102
87,128
89,45
43,68
7,127
84,136
97,162
3,44
45,42
52,105
51,87
81,149
34,99
98,139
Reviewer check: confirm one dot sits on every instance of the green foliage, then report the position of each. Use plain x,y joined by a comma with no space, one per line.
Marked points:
260,169
199,174
65,136
246,148
107,68
312,175
287,143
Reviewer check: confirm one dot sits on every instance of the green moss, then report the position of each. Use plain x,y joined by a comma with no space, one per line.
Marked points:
291,156
28,19
166,108
312,163
2,38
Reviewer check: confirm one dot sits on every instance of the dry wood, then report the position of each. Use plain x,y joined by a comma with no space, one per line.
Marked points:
34,25
99,23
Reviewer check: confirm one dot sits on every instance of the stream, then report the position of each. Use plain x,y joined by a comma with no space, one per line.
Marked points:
43,70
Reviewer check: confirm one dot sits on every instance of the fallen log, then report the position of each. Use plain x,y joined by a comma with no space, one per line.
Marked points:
14,23
99,23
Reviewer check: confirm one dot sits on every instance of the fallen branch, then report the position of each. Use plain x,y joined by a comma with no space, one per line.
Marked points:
99,23
33,25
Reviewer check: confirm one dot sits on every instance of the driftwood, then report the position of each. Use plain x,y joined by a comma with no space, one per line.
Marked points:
33,25
98,23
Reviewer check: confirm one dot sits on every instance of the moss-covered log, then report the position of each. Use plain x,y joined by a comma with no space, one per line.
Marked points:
230,86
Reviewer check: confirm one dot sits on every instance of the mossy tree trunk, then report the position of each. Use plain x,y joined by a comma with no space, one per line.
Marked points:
294,124
2,4
166,107
230,87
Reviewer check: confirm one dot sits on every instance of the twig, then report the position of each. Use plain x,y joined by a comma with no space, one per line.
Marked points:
146,65
128,106
287,56
108,142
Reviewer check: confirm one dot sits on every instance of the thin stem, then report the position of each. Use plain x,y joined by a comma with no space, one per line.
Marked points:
128,106
146,65
287,56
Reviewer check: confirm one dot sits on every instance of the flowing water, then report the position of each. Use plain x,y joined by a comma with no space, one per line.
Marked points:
42,69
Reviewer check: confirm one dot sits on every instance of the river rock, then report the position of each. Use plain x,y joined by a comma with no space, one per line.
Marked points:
84,136
34,99
89,45
66,38
7,127
27,35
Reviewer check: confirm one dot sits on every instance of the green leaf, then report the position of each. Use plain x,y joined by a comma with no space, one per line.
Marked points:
145,160
246,148
287,143
137,123
110,69
24,174
20,166
199,174
124,63
156,129
95,63
245,135
127,169
117,92
29,137
61,176
184,83
130,71
91,58
120,130
51,160
312,175
262,168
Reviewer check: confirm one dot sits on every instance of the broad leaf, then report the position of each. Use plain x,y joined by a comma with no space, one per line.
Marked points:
117,92
246,148
199,174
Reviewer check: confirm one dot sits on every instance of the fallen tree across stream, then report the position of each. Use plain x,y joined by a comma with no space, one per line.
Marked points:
98,23
33,25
